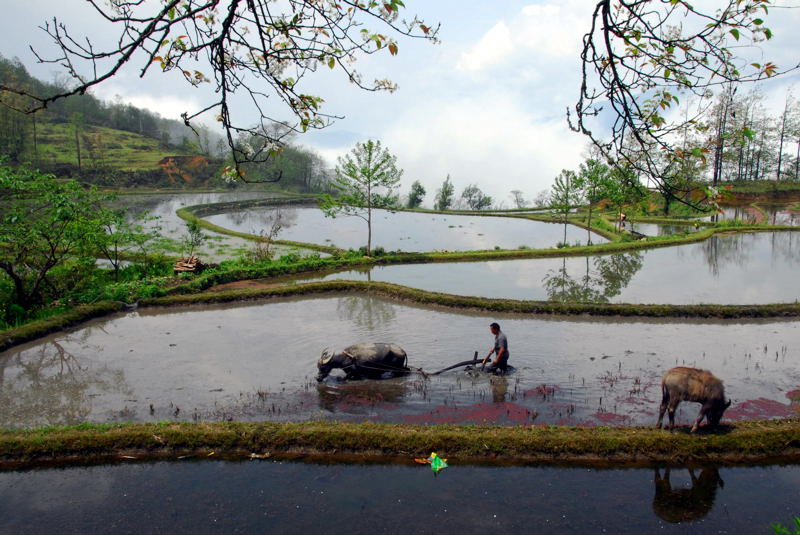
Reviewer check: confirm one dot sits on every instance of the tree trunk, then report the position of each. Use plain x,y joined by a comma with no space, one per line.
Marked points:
35,142
780,150
369,218
78,148
781,139
589,238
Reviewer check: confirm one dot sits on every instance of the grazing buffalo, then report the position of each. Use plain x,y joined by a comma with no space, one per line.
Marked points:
682,504
692,384
363,360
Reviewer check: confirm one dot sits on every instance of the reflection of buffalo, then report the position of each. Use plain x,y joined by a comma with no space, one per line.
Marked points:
363,360
355,397
682,504
691,384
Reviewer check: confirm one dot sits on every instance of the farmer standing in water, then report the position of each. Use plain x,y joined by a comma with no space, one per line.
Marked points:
500,349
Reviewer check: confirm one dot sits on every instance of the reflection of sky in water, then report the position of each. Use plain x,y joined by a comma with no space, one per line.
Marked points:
212,362
287,497
737,268
410,231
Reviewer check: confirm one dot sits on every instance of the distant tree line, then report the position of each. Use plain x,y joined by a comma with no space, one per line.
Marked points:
750,143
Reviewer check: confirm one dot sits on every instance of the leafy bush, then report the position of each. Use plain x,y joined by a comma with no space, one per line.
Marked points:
779,529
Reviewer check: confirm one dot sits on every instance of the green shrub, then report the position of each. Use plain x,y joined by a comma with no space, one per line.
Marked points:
779,529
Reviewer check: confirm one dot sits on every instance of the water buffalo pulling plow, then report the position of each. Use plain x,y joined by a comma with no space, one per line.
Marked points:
373,360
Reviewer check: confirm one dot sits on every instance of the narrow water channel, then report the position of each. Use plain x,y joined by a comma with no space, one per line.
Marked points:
288,497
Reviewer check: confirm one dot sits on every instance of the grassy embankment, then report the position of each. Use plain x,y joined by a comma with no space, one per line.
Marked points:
746,442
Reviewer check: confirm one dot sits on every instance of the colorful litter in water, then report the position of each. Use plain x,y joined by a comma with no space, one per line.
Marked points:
437,463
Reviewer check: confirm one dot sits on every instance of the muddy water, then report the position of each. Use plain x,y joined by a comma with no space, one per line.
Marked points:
257,362
285,497
735,268
408,231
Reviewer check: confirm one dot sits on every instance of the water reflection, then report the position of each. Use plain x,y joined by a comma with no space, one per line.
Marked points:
369,314
781,214
290,497
611,274
360,396
48,385
741,268
260,222
410,231
683,504
499,385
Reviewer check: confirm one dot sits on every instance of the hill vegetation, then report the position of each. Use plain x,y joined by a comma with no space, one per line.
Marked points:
119,145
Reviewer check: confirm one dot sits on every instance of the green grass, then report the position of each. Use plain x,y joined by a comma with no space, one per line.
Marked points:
748,442
763,187
120,150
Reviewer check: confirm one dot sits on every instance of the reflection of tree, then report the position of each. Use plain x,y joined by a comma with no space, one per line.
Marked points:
726,250
261,219
366,312
785,245
48,386
682,504
604,278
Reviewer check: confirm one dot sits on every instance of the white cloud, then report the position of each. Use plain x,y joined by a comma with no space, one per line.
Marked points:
166,105
482,139
493,48
538,34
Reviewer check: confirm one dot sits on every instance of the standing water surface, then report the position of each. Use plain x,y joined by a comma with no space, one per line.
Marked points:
285,497
258,362
409,231
750,268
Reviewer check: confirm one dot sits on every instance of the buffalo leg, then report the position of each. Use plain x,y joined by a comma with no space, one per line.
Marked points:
673,405
699,418
663,408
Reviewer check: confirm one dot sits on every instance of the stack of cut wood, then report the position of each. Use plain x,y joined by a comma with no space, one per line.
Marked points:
190,264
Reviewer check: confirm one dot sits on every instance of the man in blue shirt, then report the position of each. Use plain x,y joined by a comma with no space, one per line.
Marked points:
500,349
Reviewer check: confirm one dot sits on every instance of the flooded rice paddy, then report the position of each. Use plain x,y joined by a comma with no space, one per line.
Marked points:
768,213
258,362
160,209
661,229
754,268
407,231
285,497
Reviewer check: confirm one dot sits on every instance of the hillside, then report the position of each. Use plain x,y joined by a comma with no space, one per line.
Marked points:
117,144
101,148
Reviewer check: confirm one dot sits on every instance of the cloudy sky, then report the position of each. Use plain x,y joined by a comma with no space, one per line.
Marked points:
486,106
